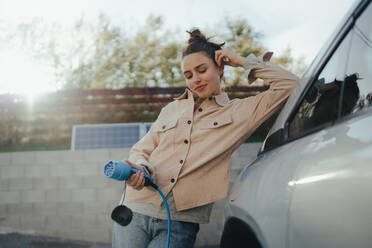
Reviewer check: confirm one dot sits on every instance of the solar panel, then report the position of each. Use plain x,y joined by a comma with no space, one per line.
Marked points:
100,136
148,126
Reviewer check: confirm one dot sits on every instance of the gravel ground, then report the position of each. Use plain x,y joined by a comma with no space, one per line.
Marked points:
15,240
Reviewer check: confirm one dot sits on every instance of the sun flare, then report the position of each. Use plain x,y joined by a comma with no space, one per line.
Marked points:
23,75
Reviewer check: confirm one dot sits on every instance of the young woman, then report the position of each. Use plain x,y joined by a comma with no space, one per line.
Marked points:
188,148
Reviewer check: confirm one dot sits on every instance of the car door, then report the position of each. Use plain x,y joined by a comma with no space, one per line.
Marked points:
331,203
263,194
314,166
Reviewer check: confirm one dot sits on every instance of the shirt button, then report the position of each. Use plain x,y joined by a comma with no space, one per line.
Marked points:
181,161
215,123
172,180
188,122
186,141
164,127
200,109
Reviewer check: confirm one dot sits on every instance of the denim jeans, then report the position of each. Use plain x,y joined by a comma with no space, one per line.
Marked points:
149,232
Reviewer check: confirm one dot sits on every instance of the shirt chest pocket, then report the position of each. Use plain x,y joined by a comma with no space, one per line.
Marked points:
166,130
217,123
165,125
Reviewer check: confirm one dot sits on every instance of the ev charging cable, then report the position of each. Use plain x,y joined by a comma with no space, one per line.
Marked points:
121,171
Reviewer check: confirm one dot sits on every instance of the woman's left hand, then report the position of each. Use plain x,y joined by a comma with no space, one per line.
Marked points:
228,57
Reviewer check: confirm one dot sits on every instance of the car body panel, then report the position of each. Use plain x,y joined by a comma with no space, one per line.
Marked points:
315,190
322,198
265,201
332,190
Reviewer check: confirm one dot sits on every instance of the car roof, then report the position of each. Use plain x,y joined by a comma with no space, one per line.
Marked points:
317,63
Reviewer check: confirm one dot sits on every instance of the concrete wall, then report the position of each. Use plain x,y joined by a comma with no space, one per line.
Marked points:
64,194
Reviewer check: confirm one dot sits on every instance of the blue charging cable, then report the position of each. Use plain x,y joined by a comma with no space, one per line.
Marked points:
168,214
121,171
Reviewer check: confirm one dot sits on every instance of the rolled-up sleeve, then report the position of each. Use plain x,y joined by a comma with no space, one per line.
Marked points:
251,112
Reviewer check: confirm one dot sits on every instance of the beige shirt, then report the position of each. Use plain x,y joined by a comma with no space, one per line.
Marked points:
199,214
190,151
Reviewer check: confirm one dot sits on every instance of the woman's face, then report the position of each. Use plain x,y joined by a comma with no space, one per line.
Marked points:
202,75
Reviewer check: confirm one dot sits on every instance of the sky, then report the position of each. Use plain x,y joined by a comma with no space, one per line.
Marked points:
301,25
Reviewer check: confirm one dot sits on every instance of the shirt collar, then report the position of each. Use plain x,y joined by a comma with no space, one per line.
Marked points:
222,99
184,95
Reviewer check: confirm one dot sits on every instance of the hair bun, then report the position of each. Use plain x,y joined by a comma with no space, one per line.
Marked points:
199,43
196,36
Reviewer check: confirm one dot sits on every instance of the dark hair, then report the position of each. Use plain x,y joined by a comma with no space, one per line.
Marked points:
199,43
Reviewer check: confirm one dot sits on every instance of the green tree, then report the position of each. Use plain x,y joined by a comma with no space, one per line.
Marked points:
103,55
115,60
241,37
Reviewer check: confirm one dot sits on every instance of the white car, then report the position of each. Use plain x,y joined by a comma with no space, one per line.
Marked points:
311,184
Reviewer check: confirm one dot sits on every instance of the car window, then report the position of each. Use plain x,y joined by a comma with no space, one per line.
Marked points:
319,107
358,86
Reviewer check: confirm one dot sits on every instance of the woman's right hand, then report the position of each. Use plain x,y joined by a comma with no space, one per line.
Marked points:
136,181
228,57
